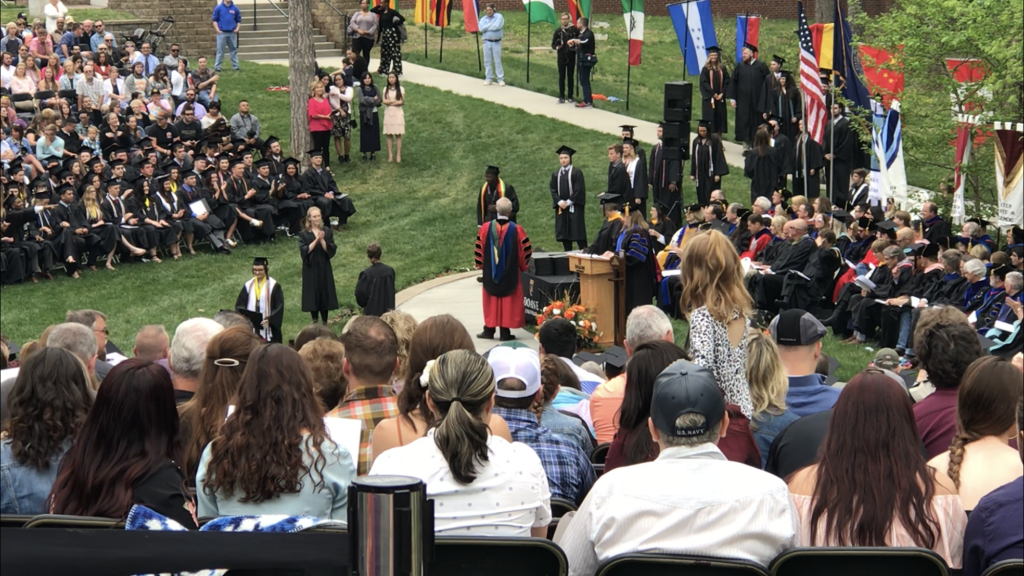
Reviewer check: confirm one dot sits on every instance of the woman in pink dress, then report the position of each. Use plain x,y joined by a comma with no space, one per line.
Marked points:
394,114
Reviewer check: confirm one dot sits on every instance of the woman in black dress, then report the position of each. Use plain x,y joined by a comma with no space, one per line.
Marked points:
369,118
761,165
316,244
662,228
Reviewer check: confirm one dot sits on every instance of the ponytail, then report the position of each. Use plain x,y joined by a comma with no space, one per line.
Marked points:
461,384
956,455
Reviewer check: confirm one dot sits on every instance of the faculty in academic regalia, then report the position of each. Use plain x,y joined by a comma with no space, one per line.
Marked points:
762,166
318,182
714,83
839,146
665,178
503,253
375,289
569,200
707,163
744,93
263,294
316,244
634,246
806,147
612,226
494,188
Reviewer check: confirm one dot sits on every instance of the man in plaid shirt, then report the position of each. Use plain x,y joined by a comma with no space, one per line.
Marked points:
517,373
371,356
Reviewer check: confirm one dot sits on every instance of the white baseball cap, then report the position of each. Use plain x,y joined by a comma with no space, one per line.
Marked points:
523,364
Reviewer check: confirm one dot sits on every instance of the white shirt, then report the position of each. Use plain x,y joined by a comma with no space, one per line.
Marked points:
6,73
690,500
509,496
108,89
177,84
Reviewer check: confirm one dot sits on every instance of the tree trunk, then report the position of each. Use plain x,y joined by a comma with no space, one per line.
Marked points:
301,63
824,13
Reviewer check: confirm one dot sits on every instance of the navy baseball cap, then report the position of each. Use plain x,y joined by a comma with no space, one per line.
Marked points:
686,388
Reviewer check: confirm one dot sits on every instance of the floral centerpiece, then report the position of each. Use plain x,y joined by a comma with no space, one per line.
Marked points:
580,315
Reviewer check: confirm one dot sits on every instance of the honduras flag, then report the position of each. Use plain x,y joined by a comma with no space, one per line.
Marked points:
695,30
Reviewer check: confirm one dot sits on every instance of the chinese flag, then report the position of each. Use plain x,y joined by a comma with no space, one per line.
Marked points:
878,72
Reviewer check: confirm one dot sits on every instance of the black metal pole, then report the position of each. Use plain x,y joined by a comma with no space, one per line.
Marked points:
424,41
479,63
686,40
253,15
529,24
441,57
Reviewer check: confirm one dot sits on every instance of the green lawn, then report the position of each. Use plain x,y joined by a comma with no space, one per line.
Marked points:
105,14
421,212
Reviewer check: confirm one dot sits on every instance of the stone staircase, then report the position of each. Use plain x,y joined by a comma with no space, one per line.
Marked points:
269,40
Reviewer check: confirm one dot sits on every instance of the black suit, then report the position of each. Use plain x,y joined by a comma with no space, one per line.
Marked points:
566,58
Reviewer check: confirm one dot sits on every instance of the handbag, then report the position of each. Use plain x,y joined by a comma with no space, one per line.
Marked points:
588,60
403,35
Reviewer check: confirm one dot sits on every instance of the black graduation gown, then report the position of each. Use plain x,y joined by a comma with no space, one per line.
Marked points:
165,237
106,232
171,205
707,161
289,206
618,182
375,289
770,86
488,197
571,222
58,238
22,231
812,187
763,172
318,291
663,172
201,229
714,111
857,195
786,156
96,240
837,172
276,310
667,229
12,264
606,238
745,88
317,184
638,187
936,230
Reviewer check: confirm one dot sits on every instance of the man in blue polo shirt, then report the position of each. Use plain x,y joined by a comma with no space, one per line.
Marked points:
227,20
798,335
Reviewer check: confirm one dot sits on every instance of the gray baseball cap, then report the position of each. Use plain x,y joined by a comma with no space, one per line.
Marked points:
887,359
686,388
795,327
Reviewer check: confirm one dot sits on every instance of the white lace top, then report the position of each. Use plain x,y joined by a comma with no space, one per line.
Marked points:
710,347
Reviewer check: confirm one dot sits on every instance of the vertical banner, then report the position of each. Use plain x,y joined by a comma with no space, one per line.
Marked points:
579,9
888,146
822,36
814,99
1009,142
881,79
695,30
963,156
633,12
748,29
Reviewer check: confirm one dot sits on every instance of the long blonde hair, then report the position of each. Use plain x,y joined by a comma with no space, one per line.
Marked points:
92,206
765,374
714,278
308,223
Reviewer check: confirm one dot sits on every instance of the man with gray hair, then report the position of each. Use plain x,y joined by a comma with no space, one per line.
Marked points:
761,206
645,324
188,352
727,510
97,322
502,290
976,274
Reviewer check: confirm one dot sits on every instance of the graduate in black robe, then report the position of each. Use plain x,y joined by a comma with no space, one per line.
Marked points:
665,178
618,180
608,235
707,163
770,87
636,175
714,84
762,166
317,247
627,134
291,200
493,189
20,227
744,93
154,220
785,152
806,147
203,222
569,200
786,104
840,147
263,295
318,182
375,288
662,227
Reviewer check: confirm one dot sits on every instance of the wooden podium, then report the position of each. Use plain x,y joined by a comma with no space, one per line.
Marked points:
601,280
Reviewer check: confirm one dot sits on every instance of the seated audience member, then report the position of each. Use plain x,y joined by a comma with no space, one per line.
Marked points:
310,333
463,464
979,460
371,357
946,346
872,486
216,391
404,325
126,451
690,500
554,376
49,403
278,424
633,443
557,338
152,343
433,337
188,352
645,324
798,335
326,361
768,389
994,530
97,322
375,289
518,390
229,319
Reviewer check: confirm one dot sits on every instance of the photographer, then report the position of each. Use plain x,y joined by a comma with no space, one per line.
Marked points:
245,126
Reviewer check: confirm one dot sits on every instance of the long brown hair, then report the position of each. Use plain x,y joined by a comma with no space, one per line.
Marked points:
259,450
461,384
986,406
871,471
432,338
648,361
227,354
714,278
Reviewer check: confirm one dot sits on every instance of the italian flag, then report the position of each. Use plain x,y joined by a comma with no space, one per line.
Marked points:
541,11
633,10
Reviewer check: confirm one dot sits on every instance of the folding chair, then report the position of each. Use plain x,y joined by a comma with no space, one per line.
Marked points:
24,106
458,556
559,508
14,520
62,521
876,561
600,453
671,565
1006,568
41,96
69,95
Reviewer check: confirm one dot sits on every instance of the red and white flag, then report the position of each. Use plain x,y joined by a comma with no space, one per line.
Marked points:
963,156
815,114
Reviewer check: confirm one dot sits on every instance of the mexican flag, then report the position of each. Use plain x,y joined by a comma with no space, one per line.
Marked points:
541,11
633,10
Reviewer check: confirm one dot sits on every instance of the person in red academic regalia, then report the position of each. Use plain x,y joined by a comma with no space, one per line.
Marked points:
503,253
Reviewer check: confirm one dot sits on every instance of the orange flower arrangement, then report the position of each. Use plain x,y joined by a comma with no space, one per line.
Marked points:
582,317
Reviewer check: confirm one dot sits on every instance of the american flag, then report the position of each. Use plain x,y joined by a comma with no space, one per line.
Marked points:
814,101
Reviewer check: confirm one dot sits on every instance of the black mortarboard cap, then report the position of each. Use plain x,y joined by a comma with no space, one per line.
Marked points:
566,150
1000,271
886,225
189,174
931,251
260,261
713,50
1018,233
980,221
112,182
115,163
290,160
223,156
162,177
750,46
629,141
609,197
864,222
94,162
742,212
62,189
627,127
842,216
236,162
315,152
493,170
270,141
39,182
63,174
50,161
41,194
694,208
262,163
777,58
704,124
69,161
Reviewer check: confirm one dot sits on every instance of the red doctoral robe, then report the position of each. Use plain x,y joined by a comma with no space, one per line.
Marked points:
503,252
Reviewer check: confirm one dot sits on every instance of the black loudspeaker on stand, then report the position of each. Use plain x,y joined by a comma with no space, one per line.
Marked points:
676,116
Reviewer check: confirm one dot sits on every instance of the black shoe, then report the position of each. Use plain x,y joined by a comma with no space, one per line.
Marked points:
341,159
487,334
348,158
373,158
561,100
506,335
364,157
224,250
480,279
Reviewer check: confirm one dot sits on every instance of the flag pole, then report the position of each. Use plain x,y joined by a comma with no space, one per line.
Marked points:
441,57
832,144
479,64
629,51
424,40
803,134
529,24
686,42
